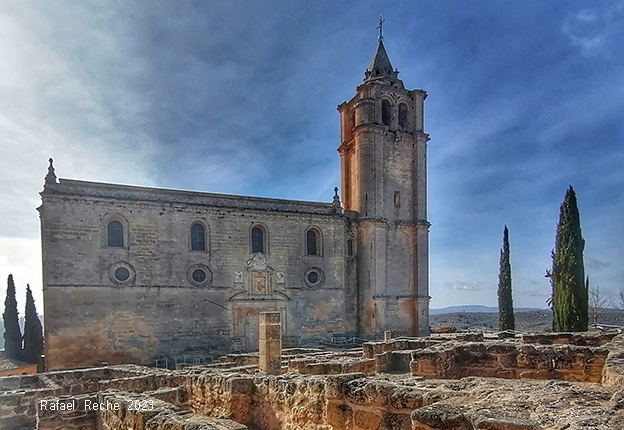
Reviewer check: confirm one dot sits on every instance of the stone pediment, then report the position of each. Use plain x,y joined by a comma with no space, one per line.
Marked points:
259,281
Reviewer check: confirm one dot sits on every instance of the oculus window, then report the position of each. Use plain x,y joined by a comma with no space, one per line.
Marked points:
122,274
199,275
314,277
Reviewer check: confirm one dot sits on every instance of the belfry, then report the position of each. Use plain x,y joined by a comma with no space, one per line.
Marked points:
384,179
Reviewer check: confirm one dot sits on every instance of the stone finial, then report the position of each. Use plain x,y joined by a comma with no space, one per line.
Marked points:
336,204
51,176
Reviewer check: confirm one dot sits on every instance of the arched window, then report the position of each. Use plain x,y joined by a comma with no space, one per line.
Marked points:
385,112
198,237
312,242
115,238
257,239
350,248
403,116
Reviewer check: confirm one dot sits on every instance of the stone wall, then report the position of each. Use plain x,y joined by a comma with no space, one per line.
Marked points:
73,414
233,394
357,402
19,395
160,311
510,361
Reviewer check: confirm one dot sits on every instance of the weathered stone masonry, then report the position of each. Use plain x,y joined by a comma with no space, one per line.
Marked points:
360,389
91,318
190,272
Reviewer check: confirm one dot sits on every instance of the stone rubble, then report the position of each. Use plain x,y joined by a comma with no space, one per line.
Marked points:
533,382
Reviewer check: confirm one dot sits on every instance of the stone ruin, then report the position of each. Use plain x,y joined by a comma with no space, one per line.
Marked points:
451,382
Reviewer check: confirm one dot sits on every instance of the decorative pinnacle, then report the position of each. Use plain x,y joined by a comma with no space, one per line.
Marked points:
380,27
51,176
336,205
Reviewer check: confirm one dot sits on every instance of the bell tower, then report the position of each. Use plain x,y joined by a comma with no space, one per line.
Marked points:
383,159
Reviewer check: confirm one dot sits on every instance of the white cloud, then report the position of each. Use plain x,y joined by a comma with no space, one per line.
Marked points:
51,107
24,263
597,264
593,29
586,15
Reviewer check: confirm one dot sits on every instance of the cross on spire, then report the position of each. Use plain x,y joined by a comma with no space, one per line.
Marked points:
381,66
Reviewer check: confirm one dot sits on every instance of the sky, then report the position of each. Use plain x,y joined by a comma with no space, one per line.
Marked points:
525,99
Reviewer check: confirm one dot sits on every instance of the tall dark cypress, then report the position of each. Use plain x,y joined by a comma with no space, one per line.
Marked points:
570,295
12,333
505,300
33,332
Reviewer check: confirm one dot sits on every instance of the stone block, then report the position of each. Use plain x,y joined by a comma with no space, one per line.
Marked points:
339,416
406,398
366,420
238,385
543,375
505,424
314,368
440,416
368,350
383,362
400,361
470,337
336,384
17,422
396,421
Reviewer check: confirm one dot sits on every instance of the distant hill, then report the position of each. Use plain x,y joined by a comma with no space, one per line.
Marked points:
476,308
526,321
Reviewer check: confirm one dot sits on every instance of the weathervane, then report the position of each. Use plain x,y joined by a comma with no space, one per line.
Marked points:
380,27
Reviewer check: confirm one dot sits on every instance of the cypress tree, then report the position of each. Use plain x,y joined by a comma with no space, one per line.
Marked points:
33,333
505,300
12,333
570,294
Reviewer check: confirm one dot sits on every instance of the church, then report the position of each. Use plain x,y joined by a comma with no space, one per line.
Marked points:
132,274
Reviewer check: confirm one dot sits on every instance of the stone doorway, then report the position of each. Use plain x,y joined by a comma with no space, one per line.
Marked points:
251,331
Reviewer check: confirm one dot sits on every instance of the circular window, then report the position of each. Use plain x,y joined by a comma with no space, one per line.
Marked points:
314,277
122,274
199,275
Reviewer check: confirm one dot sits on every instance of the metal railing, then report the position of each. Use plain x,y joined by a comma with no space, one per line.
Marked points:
184,359
336,341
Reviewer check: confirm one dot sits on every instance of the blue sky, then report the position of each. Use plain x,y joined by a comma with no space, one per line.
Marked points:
525,98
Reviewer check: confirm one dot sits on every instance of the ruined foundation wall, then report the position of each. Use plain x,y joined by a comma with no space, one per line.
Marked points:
234,394
510,361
